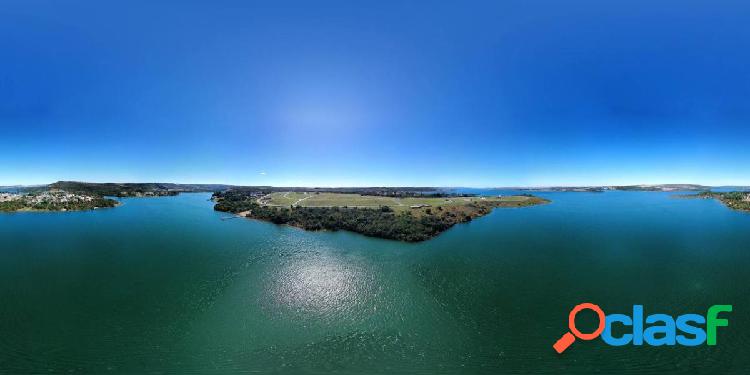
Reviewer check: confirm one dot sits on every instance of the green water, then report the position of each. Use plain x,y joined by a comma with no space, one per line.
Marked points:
163,285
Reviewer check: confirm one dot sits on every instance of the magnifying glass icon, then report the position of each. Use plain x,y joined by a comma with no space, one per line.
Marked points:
570,337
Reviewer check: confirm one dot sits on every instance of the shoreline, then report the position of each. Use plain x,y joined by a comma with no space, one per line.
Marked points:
34,210
735,201
420,223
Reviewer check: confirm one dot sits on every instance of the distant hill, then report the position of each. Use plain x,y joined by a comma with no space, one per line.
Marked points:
642,187
664,187
583,189
165,188
133,189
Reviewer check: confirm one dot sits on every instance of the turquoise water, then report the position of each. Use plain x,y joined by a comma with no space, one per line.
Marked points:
163,285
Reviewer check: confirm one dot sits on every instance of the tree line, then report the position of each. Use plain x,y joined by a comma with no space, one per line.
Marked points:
382,222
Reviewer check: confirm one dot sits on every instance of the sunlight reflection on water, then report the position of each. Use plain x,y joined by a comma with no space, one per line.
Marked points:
325,285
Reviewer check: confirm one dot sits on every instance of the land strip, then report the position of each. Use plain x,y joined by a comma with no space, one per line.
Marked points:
736,200
408,218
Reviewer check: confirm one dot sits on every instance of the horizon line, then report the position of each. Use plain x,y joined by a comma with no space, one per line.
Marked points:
387,186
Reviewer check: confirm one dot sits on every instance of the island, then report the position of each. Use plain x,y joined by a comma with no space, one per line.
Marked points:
409,215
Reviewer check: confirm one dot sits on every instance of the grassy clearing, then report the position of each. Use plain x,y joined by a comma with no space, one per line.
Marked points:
327,200
286,199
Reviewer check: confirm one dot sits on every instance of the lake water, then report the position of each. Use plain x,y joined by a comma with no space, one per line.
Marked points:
163,285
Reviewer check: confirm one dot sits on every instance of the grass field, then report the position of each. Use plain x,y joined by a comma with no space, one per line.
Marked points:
286,199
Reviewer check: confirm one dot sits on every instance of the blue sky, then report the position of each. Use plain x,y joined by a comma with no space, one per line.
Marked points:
455,93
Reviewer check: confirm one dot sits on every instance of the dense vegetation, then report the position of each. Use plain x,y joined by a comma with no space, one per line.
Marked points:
737,200
382,222
370,222
96,202
32,202
11,206
132,189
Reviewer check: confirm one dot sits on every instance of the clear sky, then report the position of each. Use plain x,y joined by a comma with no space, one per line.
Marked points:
347,93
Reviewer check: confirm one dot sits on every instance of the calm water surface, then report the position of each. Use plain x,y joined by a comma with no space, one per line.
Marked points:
163,285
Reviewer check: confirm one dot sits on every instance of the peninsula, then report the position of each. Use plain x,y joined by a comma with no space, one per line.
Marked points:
404,215
78,196
736,200
54,200
121,190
